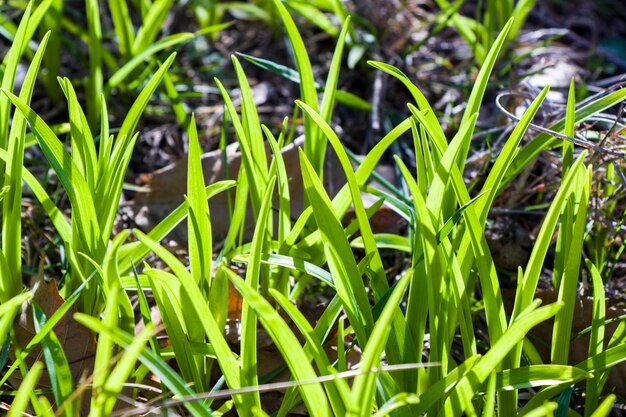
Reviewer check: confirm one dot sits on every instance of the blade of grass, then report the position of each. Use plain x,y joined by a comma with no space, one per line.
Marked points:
340,259
12,203
199,219
312,146
156,365
56,364
20,402
312,394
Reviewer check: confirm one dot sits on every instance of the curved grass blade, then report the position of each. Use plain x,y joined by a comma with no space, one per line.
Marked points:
342,265
12,203
156,365
312,148
20,402
312,394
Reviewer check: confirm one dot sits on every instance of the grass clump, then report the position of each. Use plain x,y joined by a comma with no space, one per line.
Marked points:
419,339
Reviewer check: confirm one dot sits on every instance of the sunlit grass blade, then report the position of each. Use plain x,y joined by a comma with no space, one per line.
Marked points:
341,96
605,407
572,253
468,386
438,136
82,143
165,288
9,309
284,199
199,219
293,354
251,166
123,369
151,25
127,69
156,365
328,100
257,275
198,317
539,375
594,385
338,391
136,251
250,122
364,384
312,146
379,281
10,61
12,203
480,85
104,353
132,117
20,402
292,263
123,26
594,364
343,268
444,386
96,77
535,263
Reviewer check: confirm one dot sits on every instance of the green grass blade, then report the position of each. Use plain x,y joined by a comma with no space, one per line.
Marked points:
96,77
136,251
69,175
127,69
20,402
199,219
312,147
57,366
330,89
130,121
605,408
340,259
596,341
165,288
10,62
46,328
469,385
12,203
123,26
83,145
256,276
56,216
364,383
313,348
293,354
293,263
252,167
536,261
431,120
151,25
568,288
199,316
545,141
480,85
156,365
284,206
539,375
123,369
251,124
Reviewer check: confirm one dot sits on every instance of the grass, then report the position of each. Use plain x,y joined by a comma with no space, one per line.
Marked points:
417,336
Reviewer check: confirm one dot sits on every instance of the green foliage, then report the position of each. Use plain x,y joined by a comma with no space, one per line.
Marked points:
404,328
